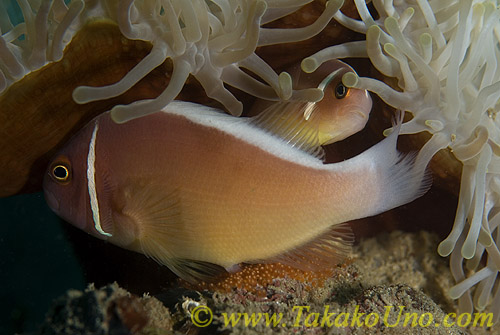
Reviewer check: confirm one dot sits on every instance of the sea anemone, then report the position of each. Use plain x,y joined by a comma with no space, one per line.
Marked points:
445,56
64,62
211,40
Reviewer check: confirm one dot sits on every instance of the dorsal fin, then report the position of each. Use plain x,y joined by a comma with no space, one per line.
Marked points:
160,218
294,122
322,252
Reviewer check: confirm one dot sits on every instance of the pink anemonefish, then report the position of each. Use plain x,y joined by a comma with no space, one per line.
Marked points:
201,191
340,113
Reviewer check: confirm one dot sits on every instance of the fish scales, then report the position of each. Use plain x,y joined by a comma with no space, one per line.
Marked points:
239,197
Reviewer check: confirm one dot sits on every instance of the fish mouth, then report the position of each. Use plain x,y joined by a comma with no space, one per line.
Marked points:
51,201
360,113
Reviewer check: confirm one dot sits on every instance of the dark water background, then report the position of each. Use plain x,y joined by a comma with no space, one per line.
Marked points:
37,263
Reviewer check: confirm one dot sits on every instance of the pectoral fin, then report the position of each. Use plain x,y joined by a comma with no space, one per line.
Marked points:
161,217
294,122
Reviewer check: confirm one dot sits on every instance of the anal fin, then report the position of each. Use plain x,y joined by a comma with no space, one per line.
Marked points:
321,253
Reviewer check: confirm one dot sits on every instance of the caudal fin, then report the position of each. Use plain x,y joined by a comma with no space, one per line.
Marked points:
399,177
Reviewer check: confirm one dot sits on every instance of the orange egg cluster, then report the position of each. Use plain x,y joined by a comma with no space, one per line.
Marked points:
256,278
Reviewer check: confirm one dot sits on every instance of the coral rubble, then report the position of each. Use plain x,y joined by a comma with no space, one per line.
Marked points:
396,269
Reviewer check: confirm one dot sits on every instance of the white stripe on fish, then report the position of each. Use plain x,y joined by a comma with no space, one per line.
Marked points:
94,203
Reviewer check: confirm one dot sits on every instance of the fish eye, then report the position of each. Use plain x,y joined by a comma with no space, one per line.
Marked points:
341,91
60,173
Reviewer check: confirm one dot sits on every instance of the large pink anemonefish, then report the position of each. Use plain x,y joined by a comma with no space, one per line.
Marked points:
201,191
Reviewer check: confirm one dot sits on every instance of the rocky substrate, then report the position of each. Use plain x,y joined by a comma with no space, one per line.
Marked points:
395,283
